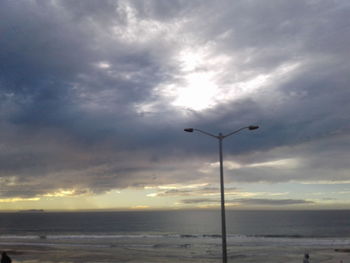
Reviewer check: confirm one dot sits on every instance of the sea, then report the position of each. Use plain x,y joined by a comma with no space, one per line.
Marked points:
173,236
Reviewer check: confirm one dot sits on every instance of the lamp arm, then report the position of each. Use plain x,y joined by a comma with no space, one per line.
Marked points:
236,131
207,133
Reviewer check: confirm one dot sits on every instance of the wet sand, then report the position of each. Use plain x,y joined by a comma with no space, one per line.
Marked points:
243,254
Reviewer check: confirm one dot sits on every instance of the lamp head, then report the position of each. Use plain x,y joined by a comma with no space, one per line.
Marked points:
253,127
188,130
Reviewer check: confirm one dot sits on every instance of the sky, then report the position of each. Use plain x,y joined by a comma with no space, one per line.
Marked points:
95,96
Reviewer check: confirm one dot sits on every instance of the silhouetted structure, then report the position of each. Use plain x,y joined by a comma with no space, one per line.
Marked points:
5,258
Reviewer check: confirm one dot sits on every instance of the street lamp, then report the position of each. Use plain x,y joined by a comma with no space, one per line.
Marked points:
220,137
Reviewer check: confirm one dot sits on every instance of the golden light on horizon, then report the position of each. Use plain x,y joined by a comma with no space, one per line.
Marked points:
61,193
18,199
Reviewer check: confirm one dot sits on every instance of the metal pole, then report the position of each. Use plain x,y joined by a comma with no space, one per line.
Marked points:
223,216
220,137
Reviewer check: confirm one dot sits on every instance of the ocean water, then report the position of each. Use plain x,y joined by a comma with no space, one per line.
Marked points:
201,223
162,235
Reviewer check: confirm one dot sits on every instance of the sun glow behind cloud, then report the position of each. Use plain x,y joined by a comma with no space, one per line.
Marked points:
207,78
197,84
199,92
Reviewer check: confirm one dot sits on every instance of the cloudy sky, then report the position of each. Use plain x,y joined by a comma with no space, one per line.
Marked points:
95,94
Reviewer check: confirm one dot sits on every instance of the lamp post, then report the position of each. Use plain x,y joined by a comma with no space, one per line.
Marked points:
220,137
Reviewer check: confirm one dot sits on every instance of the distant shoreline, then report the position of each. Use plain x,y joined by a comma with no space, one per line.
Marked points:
32,211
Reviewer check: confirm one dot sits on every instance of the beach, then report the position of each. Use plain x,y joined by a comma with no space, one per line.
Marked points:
160,249
175,236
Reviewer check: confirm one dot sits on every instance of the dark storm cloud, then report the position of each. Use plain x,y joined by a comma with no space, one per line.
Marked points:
48,67
76,75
